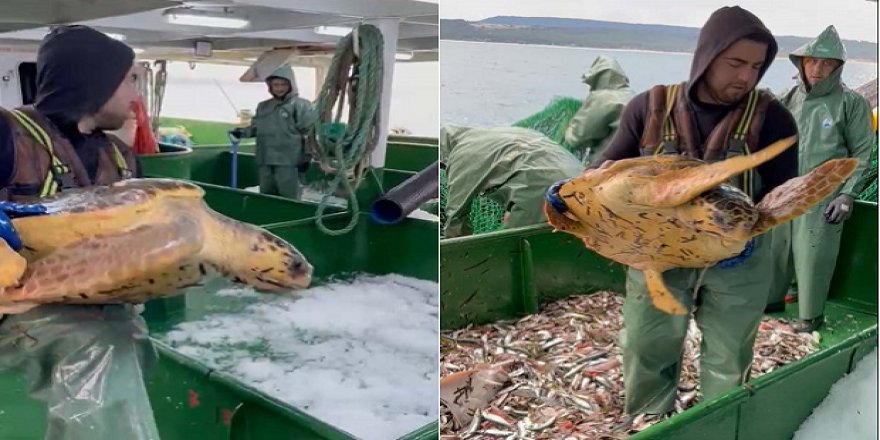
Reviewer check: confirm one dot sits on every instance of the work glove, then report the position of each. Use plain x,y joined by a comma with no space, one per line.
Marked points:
839,209
736,260
237,133
10,210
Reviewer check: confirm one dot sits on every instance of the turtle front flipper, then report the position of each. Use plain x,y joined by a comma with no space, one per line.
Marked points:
675,187
16,308
100,264
660,296
12,266
796,196
150,286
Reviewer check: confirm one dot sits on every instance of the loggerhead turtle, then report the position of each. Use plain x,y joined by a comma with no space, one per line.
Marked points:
135,240
664,212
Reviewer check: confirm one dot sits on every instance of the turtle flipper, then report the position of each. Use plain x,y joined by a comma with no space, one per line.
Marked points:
16,308
660,296
103,263
675,187
796,196
149,286
12,266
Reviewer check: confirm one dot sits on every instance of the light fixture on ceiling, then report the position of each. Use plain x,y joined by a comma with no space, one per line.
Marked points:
338,31
137,50
196,17
403,56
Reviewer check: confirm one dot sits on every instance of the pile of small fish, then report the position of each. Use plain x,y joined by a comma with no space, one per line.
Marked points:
557,374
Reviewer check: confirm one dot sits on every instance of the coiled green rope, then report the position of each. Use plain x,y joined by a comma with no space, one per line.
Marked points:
343,149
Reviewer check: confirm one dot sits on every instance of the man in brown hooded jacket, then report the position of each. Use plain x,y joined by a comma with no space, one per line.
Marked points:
716,114
86,362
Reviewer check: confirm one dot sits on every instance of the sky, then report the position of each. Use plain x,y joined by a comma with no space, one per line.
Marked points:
853,19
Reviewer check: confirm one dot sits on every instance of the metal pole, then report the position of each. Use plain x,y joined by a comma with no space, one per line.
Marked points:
389,28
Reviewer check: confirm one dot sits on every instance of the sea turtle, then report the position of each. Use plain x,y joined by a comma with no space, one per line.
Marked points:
135,240
663,212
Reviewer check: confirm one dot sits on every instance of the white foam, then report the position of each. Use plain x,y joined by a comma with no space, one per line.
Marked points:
850,409
360,355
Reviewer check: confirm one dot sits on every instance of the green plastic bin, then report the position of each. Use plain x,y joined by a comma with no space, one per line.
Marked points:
171,161
507,274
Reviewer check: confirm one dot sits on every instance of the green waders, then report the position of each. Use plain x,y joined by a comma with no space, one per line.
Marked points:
732,302
280,180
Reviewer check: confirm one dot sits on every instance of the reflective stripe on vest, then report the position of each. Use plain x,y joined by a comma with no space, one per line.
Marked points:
738,136
120,162
56,168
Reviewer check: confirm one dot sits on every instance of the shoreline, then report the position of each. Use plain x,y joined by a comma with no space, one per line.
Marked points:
559,46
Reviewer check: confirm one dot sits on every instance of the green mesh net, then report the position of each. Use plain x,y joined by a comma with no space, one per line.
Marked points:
869,194
553,119
485,214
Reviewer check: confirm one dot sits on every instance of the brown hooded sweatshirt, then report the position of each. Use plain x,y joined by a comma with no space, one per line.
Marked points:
724,27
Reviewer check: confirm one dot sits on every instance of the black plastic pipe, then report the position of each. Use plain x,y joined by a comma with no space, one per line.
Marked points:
405,198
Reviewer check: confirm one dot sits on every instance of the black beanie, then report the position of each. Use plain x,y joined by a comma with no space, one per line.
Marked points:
78,70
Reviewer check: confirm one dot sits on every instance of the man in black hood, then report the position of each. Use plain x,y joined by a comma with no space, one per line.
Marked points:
718,113
87,362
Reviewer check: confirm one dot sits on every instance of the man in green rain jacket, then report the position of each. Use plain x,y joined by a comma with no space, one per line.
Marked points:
512,166
280,126
595,122
833,122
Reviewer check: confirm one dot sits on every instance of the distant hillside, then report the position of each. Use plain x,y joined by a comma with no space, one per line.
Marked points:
605,34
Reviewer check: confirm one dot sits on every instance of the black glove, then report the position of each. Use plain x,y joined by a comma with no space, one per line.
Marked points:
237,133
839,209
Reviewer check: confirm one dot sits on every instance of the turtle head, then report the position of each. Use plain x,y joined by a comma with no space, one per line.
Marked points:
571,205
558,216
254,256
271,264
562,202
571,195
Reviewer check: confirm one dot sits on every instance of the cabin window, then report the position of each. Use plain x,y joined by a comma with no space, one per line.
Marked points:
27,74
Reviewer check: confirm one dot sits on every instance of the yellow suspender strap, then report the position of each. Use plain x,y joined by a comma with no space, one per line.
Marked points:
740,135
668,129
746,119
50,185
120,161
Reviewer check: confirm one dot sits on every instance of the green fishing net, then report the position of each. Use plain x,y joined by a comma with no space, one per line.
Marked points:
869,193
486,214
553,119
